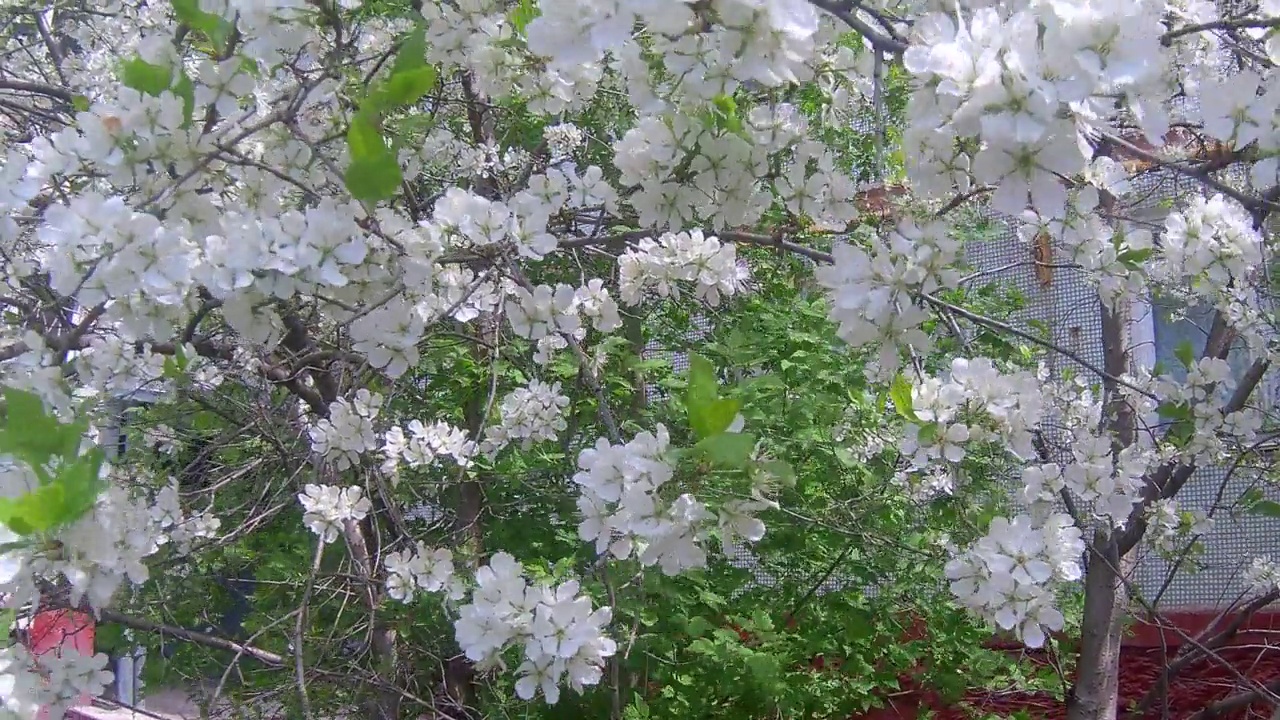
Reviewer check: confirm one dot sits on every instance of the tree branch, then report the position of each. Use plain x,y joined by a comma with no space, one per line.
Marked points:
36,88
199,638
878,40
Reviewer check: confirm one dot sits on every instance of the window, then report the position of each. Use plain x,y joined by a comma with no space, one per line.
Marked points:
1163,325
1175,325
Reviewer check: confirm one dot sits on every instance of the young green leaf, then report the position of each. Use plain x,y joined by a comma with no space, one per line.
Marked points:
373,179
215,27
522,14
900,394
732,450
406,87
1186,354
1266,508
709,414
374,173
146,77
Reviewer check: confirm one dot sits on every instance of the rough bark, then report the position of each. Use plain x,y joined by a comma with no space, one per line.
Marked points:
1096,691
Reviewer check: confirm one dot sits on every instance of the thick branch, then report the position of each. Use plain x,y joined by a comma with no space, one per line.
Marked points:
1224,24
877,39
1196,173
36,88
1169,478
193,636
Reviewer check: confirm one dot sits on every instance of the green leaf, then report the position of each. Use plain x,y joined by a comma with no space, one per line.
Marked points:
728,449
523,14
1266,508
373,179
1134,257
928,433
703,386
407,86
364,140
1186,354
763,666
56,504
80,103
186,90
374,173
32,434
900,394
412,54
153,80
411,77
709,414
781,471
215,27
1175,411
146,77
697,626
724,114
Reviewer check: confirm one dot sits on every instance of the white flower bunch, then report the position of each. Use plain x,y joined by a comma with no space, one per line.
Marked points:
625,512
561,634
327,507
1210,243
674,258
873,291
424,444
563,139
1170,528
529,415
1007,576
1262,575
975,403
425,569
53,681
348,432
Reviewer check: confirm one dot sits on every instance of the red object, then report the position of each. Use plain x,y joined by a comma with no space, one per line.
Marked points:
56,631
1253,653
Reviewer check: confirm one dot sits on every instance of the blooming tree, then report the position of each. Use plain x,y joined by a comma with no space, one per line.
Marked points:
294,204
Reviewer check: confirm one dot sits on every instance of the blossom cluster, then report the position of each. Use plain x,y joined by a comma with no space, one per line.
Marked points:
1262,575
552,317
1209,244
53,681
1007,576
630,509
421,569
624,513
875,291
1170,528
425,443
100,551
673,258
327,507
529,415
974,403
348,431
560,634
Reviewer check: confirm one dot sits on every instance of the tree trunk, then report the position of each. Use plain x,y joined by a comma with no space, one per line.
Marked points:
1096,691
